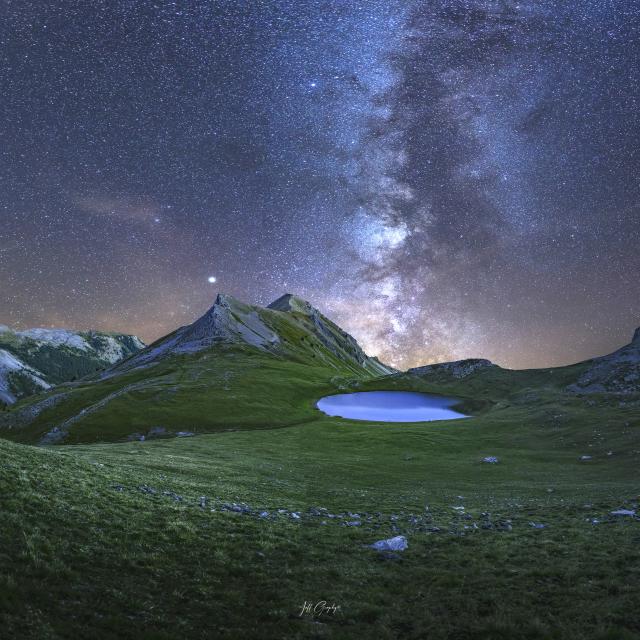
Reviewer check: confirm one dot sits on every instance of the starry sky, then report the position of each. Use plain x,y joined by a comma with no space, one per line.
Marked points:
445,178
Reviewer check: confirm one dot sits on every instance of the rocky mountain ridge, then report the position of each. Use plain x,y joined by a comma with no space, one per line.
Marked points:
617,372
35,359
289,327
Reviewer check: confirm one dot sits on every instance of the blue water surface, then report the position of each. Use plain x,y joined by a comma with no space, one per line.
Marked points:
390,406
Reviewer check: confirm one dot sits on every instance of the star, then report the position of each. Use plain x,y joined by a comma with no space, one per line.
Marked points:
415,169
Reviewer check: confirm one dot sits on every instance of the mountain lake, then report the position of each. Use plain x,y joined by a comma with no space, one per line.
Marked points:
390,406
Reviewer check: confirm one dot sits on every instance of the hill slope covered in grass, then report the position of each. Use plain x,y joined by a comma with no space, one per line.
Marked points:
236,367
226,535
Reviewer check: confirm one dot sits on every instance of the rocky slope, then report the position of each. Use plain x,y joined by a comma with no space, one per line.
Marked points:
35,359
458,369
289,327
330,335
617,373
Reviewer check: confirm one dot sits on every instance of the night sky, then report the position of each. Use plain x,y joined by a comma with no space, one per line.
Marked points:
445,179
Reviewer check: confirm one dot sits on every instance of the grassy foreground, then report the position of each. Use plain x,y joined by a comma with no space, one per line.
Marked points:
120,540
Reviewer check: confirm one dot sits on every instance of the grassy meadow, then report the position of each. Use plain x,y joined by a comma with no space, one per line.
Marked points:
228,534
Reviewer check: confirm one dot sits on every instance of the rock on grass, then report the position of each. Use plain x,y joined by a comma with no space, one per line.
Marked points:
397,543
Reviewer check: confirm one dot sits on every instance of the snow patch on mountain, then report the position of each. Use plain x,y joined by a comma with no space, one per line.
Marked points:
9,364
56,337
36,358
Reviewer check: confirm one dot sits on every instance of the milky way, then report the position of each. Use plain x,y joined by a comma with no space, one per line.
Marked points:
445,179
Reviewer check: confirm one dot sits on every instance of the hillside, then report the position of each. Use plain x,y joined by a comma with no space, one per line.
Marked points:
237,366
166,537
227,534
613,378
36,359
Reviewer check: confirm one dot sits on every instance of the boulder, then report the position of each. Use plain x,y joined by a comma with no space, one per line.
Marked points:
398,543
623,512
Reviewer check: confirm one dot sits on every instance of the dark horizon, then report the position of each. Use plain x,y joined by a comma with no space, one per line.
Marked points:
153,339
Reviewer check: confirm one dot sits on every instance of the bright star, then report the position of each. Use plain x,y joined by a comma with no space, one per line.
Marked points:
211,279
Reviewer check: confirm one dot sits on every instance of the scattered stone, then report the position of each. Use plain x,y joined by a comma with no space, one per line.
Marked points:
117,487
172,494
263,514
238,508
490,460
458,508
295,515
585,458
397,543
623,512
147,489
537,525
185,434
203,502
353,523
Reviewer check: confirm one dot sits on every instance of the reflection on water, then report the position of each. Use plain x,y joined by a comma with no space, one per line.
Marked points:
390,406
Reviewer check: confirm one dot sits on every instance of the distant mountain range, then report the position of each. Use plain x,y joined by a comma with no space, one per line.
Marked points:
243,366
36,359
617,373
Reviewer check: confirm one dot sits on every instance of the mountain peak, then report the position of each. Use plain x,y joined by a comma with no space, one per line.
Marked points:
290,302
231,321
226,300
636,336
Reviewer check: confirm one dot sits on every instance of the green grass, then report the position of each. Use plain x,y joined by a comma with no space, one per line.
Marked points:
90,551
230,388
